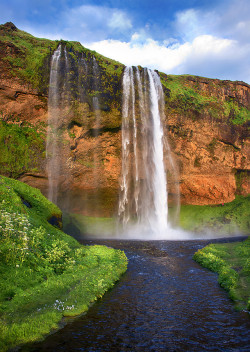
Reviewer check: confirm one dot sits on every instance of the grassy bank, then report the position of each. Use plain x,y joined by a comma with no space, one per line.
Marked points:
228,219
45,274
232,263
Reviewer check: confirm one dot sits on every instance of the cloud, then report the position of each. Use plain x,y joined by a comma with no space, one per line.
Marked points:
119,20
213,43
206,55
88,22
80,23
226,20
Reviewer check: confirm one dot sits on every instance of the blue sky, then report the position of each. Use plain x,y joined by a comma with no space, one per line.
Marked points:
206,37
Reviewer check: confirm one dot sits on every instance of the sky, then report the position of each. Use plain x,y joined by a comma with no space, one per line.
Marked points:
208,38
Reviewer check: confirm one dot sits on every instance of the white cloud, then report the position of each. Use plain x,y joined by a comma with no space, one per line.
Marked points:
206,55
119,20
214,43
97,22
226,20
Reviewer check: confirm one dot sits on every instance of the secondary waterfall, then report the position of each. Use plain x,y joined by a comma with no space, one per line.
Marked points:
52,146
143,203
57,150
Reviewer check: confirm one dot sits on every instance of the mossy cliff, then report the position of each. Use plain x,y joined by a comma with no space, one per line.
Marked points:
207,123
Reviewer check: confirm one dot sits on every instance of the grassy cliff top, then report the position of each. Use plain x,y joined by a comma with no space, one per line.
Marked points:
194,95
28,55
28,58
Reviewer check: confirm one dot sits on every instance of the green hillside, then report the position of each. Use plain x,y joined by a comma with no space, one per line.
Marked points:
45,274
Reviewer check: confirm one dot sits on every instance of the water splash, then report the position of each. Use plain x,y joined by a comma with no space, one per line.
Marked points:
143,202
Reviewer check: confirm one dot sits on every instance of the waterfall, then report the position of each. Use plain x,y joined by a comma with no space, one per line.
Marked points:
96,87
75,120
57,151
52,145
143,202
96,107
159,220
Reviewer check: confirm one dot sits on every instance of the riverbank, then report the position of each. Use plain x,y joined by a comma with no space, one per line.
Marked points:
231,261
45,274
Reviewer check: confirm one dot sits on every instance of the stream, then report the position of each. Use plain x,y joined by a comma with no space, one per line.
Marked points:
164,302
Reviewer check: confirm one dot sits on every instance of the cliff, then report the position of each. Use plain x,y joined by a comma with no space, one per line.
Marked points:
207,124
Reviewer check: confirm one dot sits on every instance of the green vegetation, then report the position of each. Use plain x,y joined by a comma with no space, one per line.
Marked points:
232,262
113,67
30,58
237,114
32,53
22,147
188,97
224,219
240,177
45,274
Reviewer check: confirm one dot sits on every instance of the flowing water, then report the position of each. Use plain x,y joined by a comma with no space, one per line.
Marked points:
57,152
164,302
68,92
97,112
52,146
143,203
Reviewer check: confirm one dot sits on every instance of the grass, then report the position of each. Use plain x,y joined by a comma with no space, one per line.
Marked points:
191,99
45,274
232,263
229,218
22,147
30,62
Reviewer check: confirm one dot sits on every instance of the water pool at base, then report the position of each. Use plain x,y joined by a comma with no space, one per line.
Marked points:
164,302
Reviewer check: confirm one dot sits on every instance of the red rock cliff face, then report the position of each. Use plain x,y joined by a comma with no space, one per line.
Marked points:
212,152
210,149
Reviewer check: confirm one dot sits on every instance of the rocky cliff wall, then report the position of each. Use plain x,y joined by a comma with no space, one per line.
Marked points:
207,124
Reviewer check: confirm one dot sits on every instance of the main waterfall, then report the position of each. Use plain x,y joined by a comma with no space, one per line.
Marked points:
143,203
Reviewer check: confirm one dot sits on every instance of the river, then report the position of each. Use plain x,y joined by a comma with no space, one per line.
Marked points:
164,302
